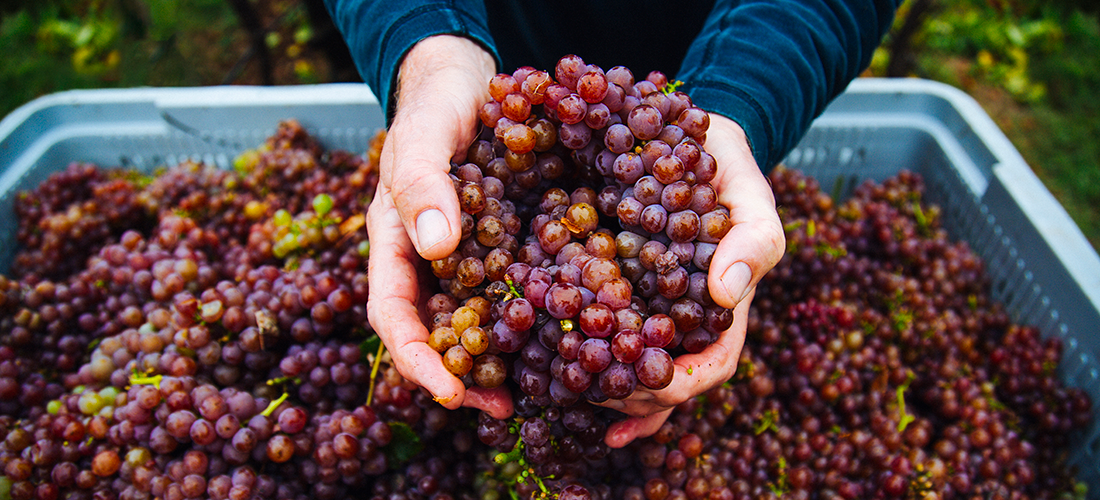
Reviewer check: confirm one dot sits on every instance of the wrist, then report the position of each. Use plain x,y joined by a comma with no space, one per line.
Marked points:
450,60
725,137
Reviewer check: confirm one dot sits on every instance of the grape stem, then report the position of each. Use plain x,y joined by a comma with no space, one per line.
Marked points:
139,379
671,87
527,472
283,380
781,486
274,404
767,422
903,418
375,365
922,220
513,292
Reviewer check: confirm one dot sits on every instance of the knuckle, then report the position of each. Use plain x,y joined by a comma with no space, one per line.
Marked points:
776,238
412,180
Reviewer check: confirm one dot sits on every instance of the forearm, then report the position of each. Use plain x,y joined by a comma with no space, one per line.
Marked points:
380,34
772,66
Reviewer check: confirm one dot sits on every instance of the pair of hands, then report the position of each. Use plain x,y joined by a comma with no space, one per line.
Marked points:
443,82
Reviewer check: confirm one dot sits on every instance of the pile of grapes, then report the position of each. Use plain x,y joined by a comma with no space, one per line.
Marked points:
202,333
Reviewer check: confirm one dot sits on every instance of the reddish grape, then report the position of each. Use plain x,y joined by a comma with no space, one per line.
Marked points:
654,368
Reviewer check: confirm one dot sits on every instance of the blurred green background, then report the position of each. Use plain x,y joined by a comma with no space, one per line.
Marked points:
1033,65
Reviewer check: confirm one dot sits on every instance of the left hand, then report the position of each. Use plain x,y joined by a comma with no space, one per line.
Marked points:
752,247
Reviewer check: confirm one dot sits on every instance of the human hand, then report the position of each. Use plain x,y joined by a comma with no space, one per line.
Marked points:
415,213
752,247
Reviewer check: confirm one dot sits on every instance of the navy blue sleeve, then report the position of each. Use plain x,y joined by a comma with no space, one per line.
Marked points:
772,66
379,33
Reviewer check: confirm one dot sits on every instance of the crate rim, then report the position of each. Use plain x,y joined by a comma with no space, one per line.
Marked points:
1048,216
216,96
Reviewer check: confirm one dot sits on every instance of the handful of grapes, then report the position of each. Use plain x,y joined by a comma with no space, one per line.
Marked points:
589,224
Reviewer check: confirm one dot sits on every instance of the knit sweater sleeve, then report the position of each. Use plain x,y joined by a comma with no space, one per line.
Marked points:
380,33
773,66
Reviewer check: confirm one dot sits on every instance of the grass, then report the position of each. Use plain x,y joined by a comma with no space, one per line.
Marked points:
83,44
1063,145
1036,75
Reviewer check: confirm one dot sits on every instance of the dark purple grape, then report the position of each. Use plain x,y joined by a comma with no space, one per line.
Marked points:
618,380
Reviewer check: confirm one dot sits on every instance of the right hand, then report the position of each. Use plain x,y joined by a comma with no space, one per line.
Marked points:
442,84
753,246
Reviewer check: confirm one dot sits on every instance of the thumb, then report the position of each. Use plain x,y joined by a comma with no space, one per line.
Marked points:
749,250
441,86
420,185
755,242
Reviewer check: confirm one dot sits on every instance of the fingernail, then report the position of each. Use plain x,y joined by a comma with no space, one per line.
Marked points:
431,228
736,280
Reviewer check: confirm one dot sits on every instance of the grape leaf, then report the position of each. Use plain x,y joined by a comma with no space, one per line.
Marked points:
369,346
405,444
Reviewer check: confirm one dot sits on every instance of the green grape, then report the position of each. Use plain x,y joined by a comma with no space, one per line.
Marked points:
5,488
288,243
280,249
90,403
109,393
138,456
322,204
53,407
282,218
246,161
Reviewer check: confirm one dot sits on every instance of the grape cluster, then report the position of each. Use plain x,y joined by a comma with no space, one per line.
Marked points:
589,223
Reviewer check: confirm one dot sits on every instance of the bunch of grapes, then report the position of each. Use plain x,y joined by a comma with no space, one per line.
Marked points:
70,215
589,223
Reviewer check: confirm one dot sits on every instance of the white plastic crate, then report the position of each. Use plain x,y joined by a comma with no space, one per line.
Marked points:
1041,266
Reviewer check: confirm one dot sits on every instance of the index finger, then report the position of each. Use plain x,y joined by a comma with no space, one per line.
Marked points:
695,373
392,305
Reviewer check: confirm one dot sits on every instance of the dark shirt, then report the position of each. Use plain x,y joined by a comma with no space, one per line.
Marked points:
770,65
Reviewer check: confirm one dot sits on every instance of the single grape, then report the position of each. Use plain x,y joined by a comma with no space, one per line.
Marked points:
595,355
654,368
618,381
488,371
645,122
458,361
